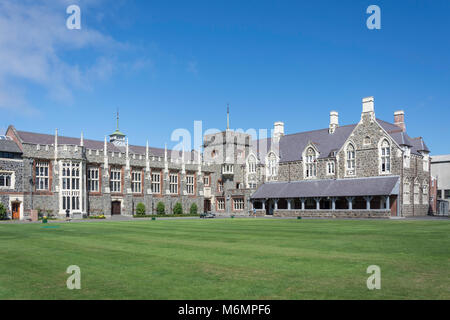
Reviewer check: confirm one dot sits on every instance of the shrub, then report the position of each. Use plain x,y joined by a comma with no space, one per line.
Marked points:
193,209
177,209
161,208
140,209
2,212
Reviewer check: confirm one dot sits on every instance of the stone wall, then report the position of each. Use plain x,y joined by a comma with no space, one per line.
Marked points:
328,213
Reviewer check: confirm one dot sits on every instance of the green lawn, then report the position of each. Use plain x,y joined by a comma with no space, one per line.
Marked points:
226,259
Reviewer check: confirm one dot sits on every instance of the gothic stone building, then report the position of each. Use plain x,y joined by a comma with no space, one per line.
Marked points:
369,169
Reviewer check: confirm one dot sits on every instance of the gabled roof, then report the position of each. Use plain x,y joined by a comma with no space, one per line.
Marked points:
293,145
373,186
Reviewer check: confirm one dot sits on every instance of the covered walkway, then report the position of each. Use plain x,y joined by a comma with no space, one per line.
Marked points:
374,194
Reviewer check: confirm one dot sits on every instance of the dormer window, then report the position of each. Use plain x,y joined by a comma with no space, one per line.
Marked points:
251,164
310,163
273,165
350,161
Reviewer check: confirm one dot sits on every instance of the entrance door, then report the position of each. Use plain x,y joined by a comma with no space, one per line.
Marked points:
15,210
115,208
207,206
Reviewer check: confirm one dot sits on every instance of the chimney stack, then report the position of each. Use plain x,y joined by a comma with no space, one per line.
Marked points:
368,104
278,129
334,121
399,119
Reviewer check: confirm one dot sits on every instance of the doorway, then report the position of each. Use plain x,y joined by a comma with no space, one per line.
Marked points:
116,208
15,206
207,206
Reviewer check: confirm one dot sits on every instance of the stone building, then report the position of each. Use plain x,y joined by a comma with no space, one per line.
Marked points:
371,169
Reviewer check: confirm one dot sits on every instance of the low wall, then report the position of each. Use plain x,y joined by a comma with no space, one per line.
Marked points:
328,213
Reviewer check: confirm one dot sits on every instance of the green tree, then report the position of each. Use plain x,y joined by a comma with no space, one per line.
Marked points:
177,209
140,209
193,209
160,208
2,212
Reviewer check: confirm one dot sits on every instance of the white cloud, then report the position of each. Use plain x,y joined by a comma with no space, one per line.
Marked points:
33,41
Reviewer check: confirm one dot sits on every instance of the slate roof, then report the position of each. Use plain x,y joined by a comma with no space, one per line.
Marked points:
7,145
293,145
373,186
48,139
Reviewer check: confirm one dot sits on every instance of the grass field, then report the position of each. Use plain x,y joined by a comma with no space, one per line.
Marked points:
226,259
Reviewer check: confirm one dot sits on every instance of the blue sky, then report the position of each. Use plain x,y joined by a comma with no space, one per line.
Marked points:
165,64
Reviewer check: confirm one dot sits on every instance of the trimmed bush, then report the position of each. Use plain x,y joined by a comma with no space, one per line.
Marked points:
178,209
140,209
160,208
193,209
2,212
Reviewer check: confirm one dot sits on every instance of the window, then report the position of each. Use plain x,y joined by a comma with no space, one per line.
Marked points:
407,156
252,185
251,164
220,186
42,175
406,191
447,194
425,192
116,180
156,182
5,179
190,184
220,204
93,179
330,167
227,169
273,165
238,204
385,154
310,162
426,162
173,183
416,193
367,141
136,182
206,181
71,186
439,194
350,152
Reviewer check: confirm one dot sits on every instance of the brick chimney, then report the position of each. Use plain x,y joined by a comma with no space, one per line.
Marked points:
399,119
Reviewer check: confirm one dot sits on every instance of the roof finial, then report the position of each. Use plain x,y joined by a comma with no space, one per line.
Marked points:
117,119
228,116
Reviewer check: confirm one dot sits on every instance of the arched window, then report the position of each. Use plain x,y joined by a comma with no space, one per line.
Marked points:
406,191
273,165
350,153
310,163
251,164
425,194
416,192
385,157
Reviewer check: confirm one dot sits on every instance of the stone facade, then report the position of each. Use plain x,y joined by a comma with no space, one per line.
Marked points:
222,178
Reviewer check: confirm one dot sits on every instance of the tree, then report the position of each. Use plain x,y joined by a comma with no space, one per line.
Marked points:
177,209
193,209
161,208
140,209
2,212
